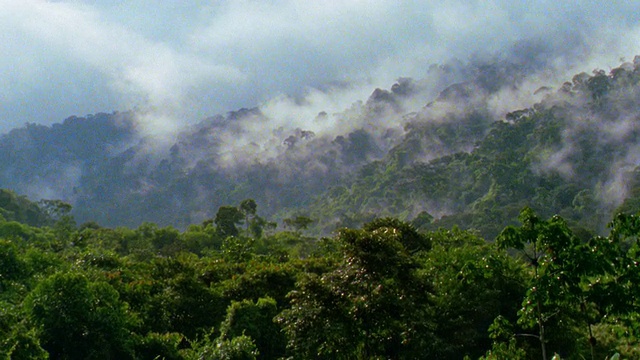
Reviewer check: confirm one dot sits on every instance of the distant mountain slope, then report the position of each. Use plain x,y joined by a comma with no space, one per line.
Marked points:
46,162
575,153
439,160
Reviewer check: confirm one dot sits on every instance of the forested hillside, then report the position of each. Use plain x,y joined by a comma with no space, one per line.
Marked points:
437,155
574,153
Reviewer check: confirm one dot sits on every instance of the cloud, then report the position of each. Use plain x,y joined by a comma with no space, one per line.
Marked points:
68,45
183,61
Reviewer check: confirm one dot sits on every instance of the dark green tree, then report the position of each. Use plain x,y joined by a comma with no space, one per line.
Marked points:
158,346
18,208
256,320
226,220
473,283
248,207
259,280
177,300
55,209
17,340
298,223
556,260
11,266
237,249
373,305
79,319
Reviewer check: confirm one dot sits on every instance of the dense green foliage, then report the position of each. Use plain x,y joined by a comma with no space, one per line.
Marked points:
383,291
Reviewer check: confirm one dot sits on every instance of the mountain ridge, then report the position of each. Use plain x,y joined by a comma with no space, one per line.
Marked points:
453,159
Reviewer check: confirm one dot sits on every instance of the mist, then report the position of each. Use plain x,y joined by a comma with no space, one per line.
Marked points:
604,131
178,64
289,91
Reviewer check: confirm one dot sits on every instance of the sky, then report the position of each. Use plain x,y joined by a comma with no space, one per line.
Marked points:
177,62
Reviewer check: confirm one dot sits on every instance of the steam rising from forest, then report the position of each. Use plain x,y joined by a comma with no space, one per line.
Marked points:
594,126
312,82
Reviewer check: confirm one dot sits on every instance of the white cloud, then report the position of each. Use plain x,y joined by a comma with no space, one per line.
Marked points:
188,60
60,38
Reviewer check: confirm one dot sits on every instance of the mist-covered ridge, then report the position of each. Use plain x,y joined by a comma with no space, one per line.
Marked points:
469,143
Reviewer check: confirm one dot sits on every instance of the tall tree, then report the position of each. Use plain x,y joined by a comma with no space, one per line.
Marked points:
473,283
373,305
256,321
79,319
554,256
226,220
248,207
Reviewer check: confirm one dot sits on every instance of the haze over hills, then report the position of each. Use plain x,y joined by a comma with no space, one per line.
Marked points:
444,150
342,112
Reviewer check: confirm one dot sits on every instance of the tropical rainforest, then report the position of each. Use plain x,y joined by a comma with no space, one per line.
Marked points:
449,232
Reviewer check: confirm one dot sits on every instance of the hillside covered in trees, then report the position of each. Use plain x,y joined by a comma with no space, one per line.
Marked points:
454,160
456,227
